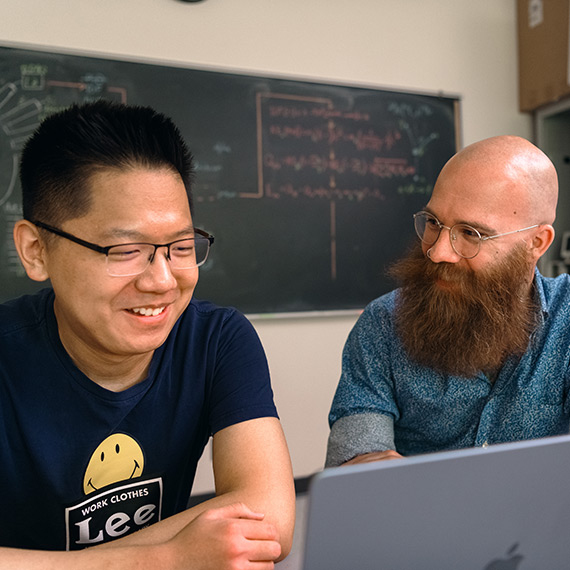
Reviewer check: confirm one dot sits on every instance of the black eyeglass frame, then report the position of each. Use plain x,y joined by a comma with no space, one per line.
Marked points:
105,249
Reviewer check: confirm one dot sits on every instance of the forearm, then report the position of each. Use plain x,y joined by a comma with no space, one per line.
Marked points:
228,537
125,558
168,528
373,457
156,533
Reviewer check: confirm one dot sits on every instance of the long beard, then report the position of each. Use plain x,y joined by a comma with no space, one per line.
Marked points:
475,323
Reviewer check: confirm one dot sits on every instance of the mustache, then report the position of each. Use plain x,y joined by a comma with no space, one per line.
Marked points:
416,268
447,272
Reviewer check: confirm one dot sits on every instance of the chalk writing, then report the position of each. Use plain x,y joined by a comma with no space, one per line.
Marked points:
357,194
377,166
295,112
410,111
362,140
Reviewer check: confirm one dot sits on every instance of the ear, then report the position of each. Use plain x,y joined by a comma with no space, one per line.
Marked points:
31,249
541,240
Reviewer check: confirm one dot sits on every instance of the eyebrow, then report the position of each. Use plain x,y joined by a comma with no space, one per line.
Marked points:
480,227
120,233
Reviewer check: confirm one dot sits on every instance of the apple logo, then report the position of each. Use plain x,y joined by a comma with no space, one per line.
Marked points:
511,562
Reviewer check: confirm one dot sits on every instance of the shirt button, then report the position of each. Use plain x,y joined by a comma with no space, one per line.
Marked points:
485,444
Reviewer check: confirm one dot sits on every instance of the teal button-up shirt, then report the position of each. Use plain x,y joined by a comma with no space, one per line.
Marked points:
386,401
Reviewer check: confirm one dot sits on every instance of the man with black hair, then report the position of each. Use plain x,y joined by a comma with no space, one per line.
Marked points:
474,347
113,380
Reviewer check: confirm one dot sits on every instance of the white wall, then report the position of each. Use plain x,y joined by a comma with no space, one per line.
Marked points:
461,47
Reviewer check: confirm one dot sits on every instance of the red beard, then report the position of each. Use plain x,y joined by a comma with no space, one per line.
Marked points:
461,322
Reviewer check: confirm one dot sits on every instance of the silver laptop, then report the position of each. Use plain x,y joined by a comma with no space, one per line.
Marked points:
504,507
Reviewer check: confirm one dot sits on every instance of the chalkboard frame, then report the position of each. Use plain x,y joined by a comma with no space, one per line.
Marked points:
300,309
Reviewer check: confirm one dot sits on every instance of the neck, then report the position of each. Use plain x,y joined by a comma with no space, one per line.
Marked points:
115,380
114,374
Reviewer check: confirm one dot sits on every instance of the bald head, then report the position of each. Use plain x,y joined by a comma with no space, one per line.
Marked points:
519,172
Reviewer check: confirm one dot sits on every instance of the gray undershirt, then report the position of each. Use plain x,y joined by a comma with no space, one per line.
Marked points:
358,434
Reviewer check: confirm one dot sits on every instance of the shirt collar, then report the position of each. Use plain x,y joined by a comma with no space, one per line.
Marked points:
538,286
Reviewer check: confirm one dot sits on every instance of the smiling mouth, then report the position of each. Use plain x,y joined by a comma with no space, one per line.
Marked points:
147,311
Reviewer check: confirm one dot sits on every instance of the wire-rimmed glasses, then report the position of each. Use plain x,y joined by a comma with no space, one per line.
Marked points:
465,240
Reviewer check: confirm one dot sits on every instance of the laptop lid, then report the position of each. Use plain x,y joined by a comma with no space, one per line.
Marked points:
505,507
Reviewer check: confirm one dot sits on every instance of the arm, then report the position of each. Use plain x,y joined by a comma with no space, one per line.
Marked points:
364,410
251,467
218,539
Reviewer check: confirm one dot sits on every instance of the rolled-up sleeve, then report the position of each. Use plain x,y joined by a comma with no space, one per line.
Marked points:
358,434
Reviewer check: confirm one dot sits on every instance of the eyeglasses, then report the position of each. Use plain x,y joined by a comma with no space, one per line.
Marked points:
128,259
465,240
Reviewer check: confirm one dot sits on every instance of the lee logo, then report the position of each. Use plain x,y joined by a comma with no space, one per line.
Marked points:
114,513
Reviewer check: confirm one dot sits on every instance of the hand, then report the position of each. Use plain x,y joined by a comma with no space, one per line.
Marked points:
374,456
227,538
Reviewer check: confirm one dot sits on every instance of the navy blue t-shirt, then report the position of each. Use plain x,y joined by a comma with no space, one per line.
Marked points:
80,464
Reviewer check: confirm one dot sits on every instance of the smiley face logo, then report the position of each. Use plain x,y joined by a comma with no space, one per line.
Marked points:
117,458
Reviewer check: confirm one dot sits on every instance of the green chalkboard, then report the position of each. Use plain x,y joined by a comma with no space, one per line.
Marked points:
309,188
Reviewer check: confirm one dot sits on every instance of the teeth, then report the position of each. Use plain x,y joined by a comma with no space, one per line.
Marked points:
148,312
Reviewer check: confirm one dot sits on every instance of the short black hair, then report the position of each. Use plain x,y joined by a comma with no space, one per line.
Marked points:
71,145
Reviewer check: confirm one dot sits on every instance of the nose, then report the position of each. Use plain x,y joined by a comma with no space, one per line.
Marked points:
442,251
158,274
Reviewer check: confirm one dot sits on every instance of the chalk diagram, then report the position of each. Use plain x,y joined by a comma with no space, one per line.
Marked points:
307,148
18,119
24,102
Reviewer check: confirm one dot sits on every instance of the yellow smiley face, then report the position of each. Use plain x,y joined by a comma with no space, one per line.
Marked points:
118,458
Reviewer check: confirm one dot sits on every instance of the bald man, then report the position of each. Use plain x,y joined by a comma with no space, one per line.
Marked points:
473,348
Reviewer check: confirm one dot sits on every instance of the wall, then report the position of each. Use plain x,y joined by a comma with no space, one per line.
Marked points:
459,47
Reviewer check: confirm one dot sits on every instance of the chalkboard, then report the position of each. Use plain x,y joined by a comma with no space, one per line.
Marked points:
309,188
